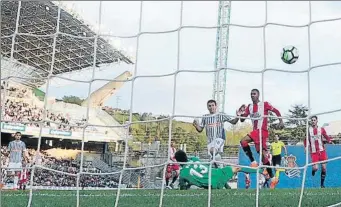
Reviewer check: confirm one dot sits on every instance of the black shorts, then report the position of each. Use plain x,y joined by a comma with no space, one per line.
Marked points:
276,160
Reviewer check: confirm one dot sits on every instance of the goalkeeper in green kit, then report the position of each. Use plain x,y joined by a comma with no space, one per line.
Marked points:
197,174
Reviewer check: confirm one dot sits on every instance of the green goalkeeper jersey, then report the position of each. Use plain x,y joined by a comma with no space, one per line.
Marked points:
197,174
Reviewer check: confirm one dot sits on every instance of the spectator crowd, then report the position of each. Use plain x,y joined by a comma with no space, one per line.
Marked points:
16,108
13,91
19,111
50,178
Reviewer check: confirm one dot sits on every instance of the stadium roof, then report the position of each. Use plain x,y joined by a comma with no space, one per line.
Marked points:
333,128
33,46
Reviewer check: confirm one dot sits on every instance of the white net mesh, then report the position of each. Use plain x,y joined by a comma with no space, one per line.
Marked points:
12,69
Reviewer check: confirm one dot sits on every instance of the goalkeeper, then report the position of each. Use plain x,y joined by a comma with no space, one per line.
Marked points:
197,174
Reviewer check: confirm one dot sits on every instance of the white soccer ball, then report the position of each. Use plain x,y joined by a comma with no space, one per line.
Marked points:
289,54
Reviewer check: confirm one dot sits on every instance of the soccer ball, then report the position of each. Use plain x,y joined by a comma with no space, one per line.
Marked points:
289,54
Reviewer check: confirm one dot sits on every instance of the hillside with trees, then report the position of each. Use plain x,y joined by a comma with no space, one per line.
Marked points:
158,129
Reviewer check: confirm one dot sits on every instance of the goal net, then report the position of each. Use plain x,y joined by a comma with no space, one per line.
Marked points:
99,93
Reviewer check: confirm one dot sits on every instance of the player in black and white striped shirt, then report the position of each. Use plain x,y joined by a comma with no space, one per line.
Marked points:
215,132
17,150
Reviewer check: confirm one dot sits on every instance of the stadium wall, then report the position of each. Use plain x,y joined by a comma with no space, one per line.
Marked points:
292,179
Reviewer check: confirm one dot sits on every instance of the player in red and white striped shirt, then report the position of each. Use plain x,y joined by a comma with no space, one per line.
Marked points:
260,133
316,147
172,167
23,177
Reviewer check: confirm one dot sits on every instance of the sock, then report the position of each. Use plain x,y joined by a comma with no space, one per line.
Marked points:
248,152
15,182
167,181
323,176
313,172
267,184
227,186
218,158
174,179
269,169
277,173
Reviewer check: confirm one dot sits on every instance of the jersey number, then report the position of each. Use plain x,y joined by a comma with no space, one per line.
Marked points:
203,169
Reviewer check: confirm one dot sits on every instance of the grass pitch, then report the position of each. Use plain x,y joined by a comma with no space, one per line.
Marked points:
174,198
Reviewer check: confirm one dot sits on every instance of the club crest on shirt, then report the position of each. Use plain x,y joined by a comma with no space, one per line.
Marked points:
315,137
255,115
290,161
214,124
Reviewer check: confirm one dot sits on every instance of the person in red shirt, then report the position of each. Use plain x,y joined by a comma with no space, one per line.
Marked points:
316,147
172,167
254,110
23,177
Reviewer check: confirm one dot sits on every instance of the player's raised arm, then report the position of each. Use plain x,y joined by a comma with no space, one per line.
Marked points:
243,111
199,127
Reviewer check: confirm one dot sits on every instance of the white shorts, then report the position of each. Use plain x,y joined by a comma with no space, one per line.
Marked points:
218,144
14,165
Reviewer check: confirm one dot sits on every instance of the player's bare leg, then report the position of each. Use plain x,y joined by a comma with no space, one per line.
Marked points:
314,169
323,174
246,147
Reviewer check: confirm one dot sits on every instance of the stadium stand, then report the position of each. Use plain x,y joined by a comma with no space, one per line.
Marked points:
25,69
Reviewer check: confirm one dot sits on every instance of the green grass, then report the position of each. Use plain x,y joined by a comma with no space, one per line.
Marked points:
174,198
